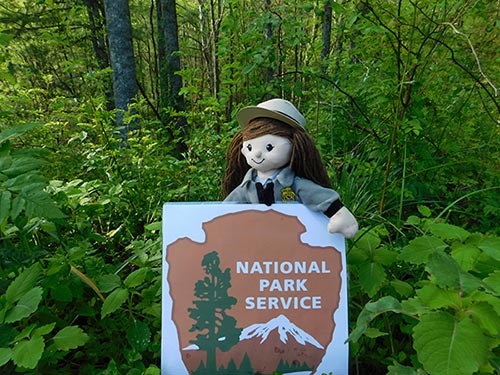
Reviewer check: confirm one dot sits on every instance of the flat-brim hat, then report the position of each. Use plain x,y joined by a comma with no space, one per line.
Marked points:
278,109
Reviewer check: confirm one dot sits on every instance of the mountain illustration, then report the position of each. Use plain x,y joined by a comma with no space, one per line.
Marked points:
281,340
284,326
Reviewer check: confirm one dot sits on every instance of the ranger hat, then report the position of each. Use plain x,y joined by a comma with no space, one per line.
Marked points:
278,109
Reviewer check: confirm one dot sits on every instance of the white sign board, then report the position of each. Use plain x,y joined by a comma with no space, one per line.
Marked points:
252,289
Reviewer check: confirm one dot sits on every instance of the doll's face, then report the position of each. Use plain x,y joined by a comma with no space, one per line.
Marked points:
267,153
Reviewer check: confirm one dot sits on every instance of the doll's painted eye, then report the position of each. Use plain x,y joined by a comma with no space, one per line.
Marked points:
249,147
269,147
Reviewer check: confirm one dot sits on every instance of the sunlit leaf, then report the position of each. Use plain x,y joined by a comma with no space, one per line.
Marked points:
446,345
70,337
23,283
27,353
26,305
114,301
419,249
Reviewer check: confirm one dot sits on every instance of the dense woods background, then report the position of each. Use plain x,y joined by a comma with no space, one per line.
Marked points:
109,108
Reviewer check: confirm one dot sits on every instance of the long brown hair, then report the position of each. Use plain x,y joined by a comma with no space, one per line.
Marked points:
305,160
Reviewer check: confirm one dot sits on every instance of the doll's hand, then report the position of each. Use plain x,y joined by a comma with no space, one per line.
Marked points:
343,222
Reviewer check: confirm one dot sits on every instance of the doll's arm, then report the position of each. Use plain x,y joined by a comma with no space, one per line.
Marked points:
343,222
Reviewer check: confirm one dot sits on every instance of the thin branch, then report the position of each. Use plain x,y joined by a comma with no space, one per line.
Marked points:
455,31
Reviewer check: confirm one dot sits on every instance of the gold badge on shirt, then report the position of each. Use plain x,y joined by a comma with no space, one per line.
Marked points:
288,195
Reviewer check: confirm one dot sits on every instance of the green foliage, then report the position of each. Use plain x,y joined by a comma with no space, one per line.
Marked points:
447,305
403,108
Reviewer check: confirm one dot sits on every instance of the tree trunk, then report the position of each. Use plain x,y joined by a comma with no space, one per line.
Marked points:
122,58
170,65
326,31
170,62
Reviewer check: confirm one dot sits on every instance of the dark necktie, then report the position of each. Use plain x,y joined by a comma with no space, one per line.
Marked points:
265,194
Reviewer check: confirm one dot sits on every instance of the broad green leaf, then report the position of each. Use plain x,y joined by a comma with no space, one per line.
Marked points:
493,281
114,301
107,283
139,336
374,333
419,249
484,315
384,256
436,298
368,241
371,277
26,305
137,277
466,255
398,369
480,296
18,204
448,231
5,355
491,246
70,338
449,346
444,270
152,370
424,211
44,330
414,307
23,283
5,199
356,256
402,288
16,131
27,353
370,312
39,203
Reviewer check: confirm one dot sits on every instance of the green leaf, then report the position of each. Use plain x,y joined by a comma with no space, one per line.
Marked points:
397,369
370,312
445,345
5,199
137,277
491,246
402,288
448,231
436,298
371,277
44,330
466,255
70,338
23,283
107,283
139,336
368,241
374,333
493,281
446,272
5,355
27,305
27,353
424,211
114,301
419,249
16,131
485,316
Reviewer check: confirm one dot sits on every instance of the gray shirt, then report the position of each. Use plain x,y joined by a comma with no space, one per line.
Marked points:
287,188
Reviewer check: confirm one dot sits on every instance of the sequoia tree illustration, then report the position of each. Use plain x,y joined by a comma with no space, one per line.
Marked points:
216,328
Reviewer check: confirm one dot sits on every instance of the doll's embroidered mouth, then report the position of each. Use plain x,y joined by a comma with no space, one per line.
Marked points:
258,162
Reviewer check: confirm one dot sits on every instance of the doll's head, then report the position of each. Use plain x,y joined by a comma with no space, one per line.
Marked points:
304,160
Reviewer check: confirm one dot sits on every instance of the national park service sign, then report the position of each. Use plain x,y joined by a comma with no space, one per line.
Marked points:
251,289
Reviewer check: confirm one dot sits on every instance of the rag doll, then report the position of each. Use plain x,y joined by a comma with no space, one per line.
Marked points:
272,159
